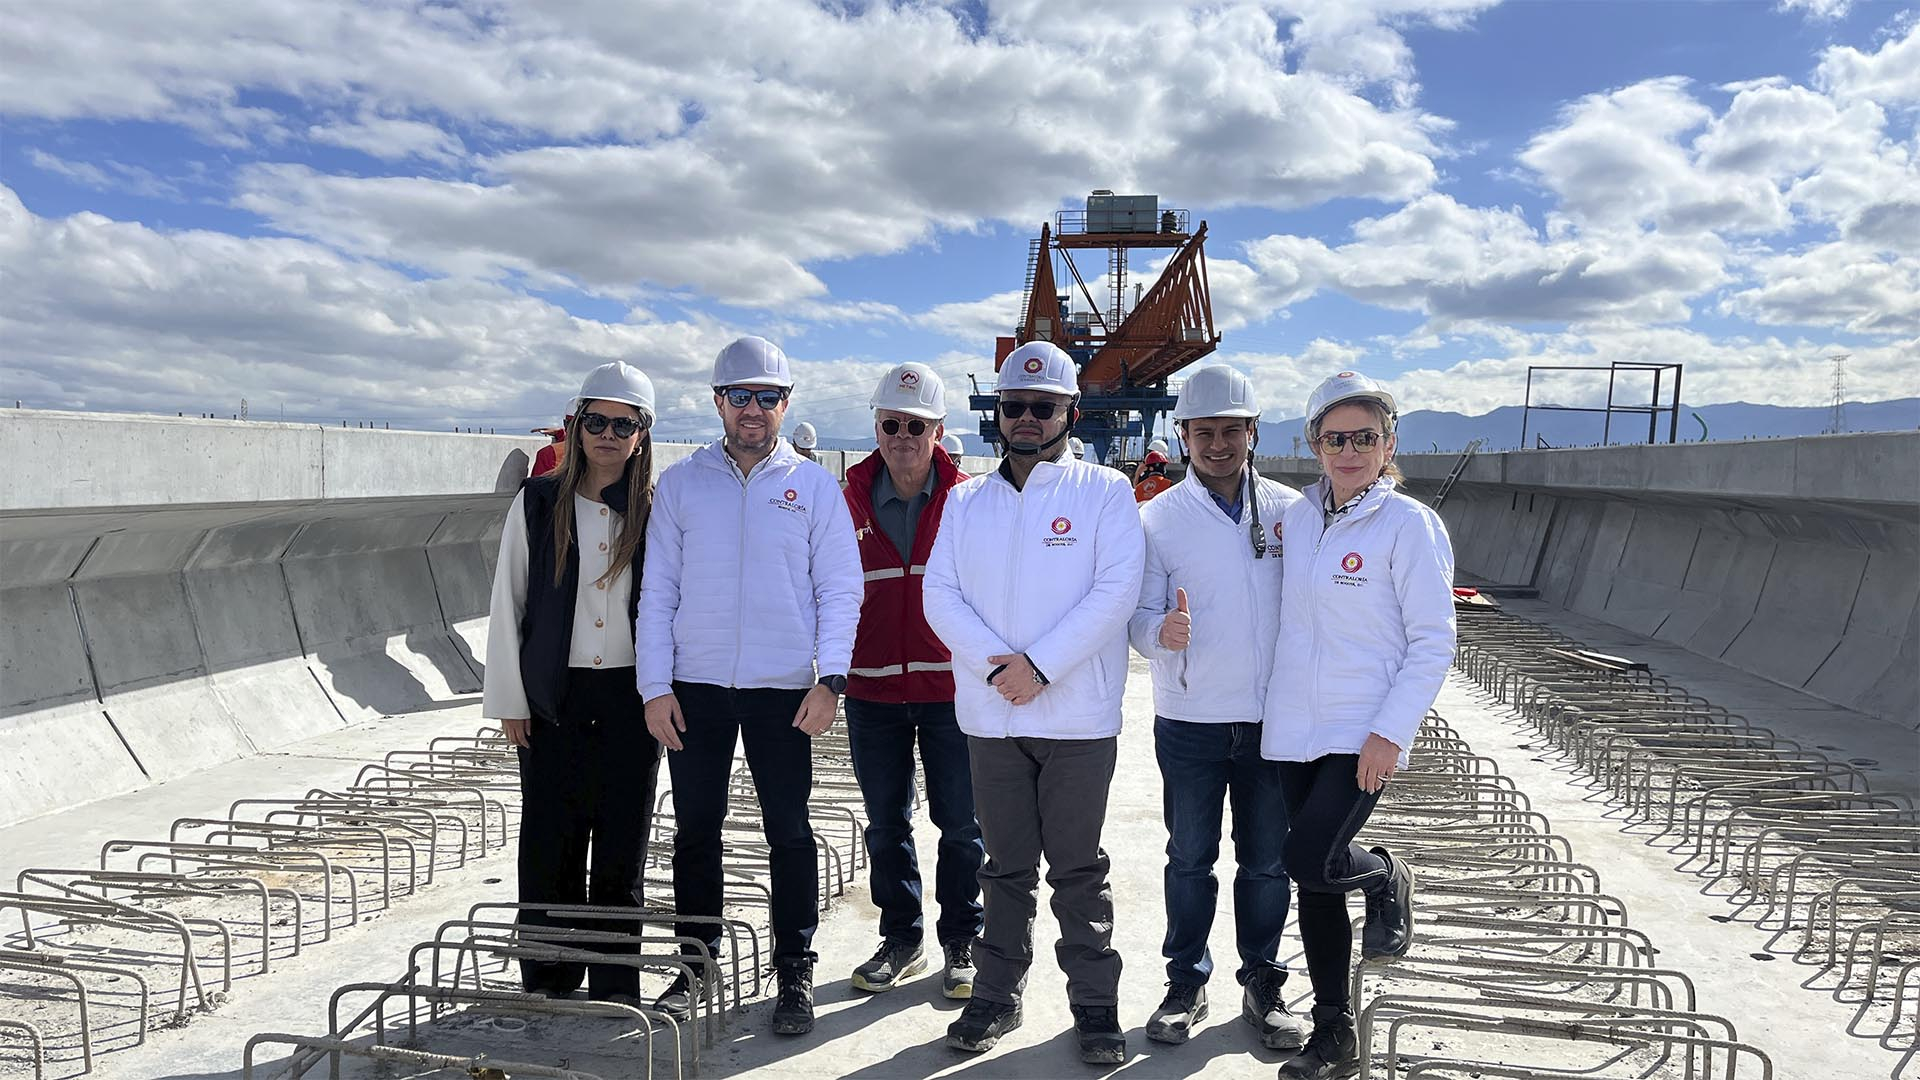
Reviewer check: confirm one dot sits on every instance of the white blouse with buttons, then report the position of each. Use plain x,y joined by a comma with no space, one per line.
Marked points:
602,635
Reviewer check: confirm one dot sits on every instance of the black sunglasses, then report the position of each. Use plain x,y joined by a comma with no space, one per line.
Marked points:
1041,410
915,428
738,396
624,427
1335,441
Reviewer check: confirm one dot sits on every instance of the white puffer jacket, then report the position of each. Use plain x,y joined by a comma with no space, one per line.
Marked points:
1221,676
1052,570
1366,625
750,581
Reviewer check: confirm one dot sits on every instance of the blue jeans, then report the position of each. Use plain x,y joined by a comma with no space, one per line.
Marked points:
882,735
1200,766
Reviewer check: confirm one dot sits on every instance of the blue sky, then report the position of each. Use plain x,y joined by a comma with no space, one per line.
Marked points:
445,214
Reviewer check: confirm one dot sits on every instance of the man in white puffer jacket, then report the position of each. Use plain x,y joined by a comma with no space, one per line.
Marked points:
1031,582
748,605
1208,616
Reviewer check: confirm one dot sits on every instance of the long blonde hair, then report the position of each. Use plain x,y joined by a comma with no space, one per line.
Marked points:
633,526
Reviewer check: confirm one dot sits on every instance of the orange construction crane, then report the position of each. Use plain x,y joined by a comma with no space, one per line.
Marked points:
1125,352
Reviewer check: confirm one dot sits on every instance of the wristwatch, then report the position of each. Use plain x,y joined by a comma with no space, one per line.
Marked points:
835,683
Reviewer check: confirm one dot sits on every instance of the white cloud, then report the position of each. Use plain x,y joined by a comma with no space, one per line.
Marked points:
107,175
975,321
1839,284
1890,75
1823,10
726,148
391,140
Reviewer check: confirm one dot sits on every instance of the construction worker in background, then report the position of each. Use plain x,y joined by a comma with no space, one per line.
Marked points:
1150,476
805,440
559,676
549,457
745,633
1031,582
1077,449
900,692
1208,617
953,446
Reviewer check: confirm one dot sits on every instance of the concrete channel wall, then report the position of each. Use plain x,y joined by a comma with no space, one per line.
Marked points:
177,593
1794,559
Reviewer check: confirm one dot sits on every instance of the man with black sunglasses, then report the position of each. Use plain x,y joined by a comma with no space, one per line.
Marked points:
901,692
748,606
1031,582
1208,617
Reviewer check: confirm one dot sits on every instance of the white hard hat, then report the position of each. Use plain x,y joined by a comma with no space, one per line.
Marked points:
751,361
953,445
1039,365
914,389
618,381
1159,445
805,437
1347,386
1076,447
1216,390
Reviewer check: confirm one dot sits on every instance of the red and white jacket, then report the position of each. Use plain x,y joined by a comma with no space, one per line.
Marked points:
897,657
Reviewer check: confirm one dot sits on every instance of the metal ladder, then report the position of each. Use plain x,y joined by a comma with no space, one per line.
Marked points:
1453,477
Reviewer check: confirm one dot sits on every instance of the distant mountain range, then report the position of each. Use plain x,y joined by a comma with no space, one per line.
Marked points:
1426,430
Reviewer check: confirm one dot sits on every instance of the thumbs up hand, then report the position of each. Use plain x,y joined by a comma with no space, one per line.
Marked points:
1177,628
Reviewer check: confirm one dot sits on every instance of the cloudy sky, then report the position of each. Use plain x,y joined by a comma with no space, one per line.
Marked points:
445,213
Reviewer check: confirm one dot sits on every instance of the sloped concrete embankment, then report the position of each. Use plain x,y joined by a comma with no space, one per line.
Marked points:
1794,559
174,594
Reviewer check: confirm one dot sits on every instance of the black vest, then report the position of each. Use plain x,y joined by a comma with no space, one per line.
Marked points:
546,626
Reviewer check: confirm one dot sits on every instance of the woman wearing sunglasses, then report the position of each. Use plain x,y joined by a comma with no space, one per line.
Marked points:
1366,638
560,676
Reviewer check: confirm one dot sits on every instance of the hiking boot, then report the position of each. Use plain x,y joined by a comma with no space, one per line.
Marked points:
1180,1011
793,1013
893,963
957,980
677,1002
1263,1006
1389,928
1101,1042
1331,1050
981,1024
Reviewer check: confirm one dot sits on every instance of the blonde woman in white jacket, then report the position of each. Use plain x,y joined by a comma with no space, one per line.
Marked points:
1366,637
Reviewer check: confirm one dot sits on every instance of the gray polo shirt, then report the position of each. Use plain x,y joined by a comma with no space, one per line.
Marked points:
899,518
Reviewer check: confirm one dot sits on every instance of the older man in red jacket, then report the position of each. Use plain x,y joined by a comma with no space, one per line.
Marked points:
900,692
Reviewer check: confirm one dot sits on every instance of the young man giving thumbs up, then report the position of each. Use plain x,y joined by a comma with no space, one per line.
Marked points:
1208,615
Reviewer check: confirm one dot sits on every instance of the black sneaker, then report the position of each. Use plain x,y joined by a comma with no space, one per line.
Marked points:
1265,1007
957,980
1389,928
893,963
1101,1042
1331,1050
981,1024
793,1013
1179,1013
678,1000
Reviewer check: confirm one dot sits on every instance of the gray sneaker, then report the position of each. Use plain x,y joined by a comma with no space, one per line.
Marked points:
893,963
678,1000
957,980
1263,1006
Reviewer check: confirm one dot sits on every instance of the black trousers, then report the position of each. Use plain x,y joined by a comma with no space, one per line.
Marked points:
780,757
1325,809
586,788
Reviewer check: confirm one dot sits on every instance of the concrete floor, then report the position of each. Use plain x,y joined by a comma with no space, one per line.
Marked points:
900,1034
